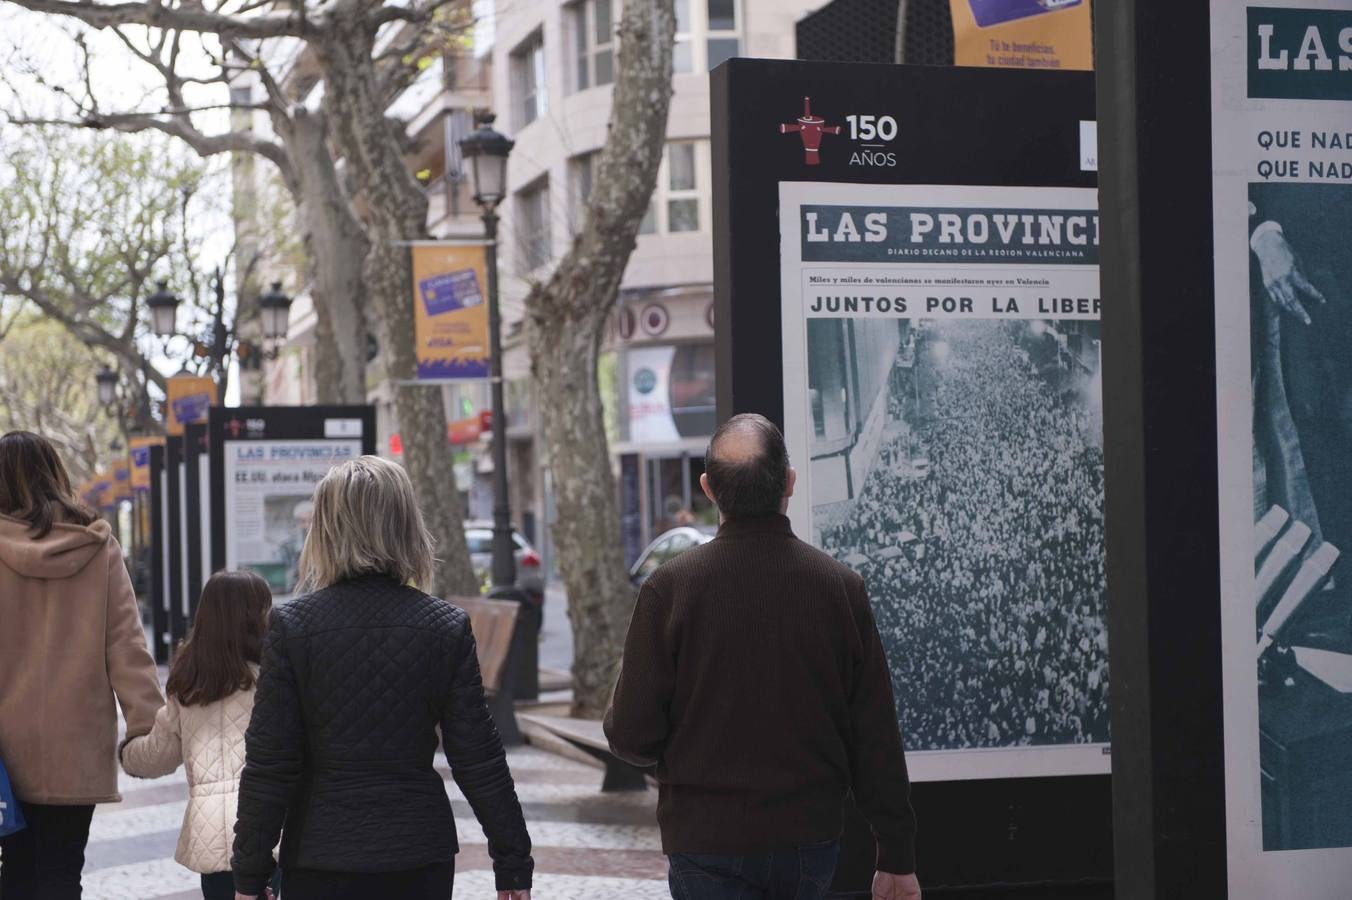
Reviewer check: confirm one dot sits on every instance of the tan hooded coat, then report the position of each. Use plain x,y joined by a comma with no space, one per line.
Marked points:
70,639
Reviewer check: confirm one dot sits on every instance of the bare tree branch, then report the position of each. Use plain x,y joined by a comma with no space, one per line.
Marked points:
295,23
202,144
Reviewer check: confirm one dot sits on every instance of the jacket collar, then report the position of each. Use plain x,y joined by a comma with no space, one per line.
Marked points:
775,524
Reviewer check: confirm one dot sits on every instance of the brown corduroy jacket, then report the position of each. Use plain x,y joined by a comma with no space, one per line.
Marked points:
70,639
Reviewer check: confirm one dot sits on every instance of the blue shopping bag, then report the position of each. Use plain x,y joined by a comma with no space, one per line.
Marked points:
11,816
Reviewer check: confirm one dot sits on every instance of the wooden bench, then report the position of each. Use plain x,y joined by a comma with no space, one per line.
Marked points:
588,736
493,623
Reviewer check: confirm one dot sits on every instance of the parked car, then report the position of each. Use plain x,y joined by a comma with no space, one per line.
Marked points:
529,576
668,545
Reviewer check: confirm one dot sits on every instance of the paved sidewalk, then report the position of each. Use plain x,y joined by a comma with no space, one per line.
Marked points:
587,844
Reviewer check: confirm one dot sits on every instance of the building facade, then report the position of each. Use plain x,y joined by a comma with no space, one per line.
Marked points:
553,66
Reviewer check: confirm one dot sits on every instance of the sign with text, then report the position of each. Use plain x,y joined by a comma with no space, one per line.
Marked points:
917,304
450,287
1023,34
1281,140
1299,54
264,464
189,398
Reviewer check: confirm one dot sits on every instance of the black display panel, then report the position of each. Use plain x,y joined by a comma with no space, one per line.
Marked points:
265,462
950,157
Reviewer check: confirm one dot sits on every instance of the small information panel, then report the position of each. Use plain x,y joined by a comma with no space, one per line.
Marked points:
265,463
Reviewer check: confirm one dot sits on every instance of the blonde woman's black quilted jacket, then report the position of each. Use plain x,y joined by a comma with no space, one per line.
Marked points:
355,680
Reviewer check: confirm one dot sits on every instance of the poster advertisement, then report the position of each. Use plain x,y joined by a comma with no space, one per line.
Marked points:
1282,205
188,399
1023,34
450,287
649,402
140,462
943,409
268,490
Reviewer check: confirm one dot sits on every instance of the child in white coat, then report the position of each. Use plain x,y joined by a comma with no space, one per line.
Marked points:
211,694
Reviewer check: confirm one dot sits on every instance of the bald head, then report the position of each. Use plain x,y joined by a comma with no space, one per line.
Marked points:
747,468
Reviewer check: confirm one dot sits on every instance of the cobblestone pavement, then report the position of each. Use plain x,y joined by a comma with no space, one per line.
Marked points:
587,844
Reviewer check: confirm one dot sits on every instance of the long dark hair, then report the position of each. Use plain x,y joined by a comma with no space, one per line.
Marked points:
227,635
34,485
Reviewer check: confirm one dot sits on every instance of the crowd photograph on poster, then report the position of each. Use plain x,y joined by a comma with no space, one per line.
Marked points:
944,406
979,524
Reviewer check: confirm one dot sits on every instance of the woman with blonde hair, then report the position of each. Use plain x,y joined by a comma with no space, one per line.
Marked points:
70,643
357,675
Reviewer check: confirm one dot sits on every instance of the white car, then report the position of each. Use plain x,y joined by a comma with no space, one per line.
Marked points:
529,578
668,545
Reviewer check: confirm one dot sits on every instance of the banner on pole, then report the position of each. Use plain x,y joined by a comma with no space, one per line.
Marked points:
140,462
450,292
122,478
1023,34
190,396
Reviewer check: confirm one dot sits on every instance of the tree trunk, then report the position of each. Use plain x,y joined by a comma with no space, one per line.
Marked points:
567,318
397,213
335,247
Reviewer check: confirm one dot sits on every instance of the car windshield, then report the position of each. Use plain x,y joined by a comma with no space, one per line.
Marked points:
480,540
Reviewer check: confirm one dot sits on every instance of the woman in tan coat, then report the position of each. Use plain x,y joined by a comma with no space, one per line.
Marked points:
211,694
70,641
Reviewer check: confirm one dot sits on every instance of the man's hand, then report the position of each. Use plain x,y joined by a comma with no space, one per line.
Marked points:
1286,284
887,886
513,895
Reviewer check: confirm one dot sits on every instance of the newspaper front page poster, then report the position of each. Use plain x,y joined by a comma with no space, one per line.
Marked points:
1282,207
269,490
943,409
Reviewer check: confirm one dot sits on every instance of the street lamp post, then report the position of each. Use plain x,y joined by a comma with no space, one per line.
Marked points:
486,153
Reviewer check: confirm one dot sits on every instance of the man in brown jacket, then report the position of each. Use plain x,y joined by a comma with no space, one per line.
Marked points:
70,639
755,680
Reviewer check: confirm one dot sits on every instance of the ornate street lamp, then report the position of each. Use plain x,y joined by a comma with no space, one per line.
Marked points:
275,310
486,152
107,382
163,310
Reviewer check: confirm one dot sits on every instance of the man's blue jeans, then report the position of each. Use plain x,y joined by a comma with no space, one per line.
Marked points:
795,873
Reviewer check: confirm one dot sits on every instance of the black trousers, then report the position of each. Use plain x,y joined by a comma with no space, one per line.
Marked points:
44,860
217,886
428,883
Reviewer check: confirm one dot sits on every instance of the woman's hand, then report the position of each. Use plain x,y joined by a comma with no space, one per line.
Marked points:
514,895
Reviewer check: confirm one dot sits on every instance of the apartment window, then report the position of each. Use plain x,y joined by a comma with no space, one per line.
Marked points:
675,206
532,227
530,97
594,43
706,34
682,191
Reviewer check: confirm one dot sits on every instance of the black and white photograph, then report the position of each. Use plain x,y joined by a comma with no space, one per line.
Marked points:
1302,427
957,464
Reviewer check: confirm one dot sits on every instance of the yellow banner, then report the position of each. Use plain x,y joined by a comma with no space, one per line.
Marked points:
140,461
122,479
1023,34
107,490
190,396
450,297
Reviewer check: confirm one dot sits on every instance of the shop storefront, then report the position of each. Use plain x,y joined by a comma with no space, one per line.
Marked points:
664,414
